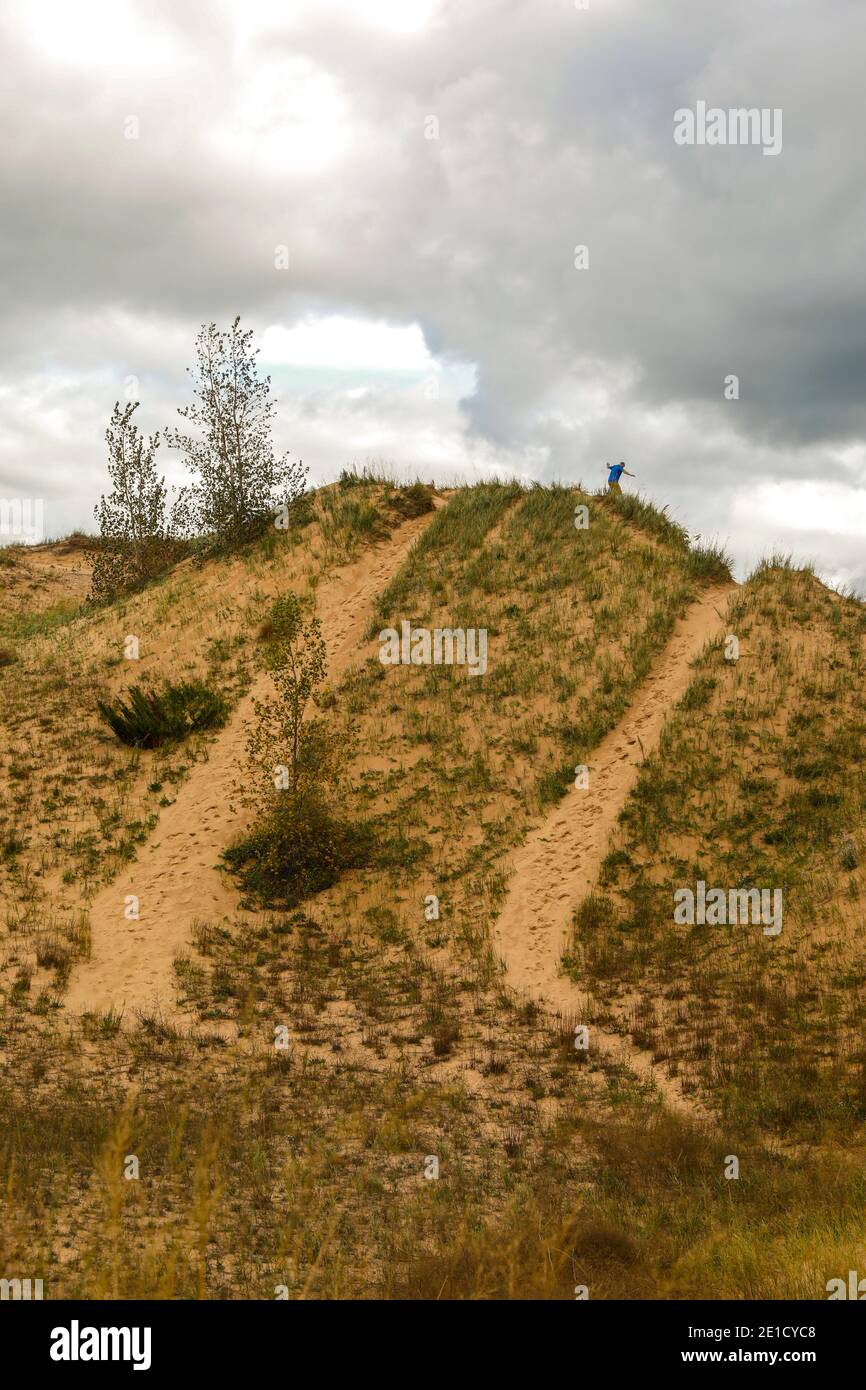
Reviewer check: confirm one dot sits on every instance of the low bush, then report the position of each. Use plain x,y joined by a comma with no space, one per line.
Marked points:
124,567
148,718
299,849
415,500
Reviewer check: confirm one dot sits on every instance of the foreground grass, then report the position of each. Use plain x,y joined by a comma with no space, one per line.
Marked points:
309,1182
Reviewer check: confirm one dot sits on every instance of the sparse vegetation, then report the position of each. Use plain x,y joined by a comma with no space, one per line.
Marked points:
149,718
764,788
403,1039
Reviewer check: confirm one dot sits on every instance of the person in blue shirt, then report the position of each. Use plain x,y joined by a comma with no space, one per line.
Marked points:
615,472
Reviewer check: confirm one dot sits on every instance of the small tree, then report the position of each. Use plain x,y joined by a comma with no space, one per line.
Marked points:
283,738
298,846
238,482
136,538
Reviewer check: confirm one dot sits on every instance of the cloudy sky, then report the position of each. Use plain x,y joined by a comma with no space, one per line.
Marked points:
391,193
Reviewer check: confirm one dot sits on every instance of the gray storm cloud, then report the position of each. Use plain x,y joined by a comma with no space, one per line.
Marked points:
306,126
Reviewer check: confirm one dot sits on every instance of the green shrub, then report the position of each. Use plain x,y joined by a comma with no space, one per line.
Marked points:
297,846
415,500
299,849
150,717
123,567
301,512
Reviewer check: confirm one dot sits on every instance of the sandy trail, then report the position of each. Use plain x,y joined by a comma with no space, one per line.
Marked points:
175,878
559,862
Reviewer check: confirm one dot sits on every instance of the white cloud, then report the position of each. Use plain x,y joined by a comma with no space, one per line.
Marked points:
829,507
337,340
102,36
287,116
395,16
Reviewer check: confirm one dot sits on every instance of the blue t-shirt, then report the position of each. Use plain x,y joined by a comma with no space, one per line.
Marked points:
615,472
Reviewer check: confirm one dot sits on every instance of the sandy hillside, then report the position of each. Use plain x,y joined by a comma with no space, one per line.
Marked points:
33,578
405,1037
176,878
559,862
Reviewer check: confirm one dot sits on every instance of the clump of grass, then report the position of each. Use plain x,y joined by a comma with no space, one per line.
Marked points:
445,1033
350,477
414,500
698,694
148,718
709,563
352,514
648,517
102,1025
10,846
553,785
53,954
848,855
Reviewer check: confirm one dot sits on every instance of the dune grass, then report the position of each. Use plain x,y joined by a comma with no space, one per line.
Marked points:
757,782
